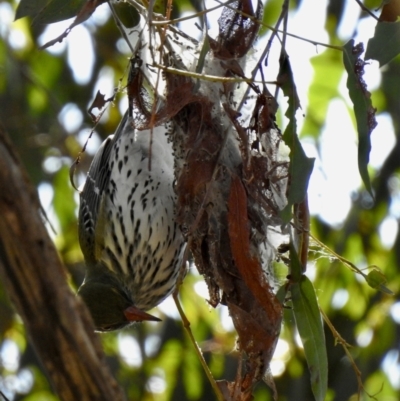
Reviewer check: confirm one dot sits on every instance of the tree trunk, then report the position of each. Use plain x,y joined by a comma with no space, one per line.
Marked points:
56,321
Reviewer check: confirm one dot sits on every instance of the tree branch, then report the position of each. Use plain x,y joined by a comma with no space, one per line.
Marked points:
57,323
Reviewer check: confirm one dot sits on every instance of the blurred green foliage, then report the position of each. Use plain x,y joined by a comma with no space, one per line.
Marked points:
156,361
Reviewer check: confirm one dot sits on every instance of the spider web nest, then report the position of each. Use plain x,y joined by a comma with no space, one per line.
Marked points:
231,168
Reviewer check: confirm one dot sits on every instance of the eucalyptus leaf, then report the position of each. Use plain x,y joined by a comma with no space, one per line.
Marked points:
127,14
321,92
362,105
63,201
300,170
309,324
301,166
377,280
59,10
296,270
385,44
29,8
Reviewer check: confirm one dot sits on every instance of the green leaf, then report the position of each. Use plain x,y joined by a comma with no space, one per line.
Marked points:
385,44
296,270
301,166
322,91
63,201
59,10
363,110
377,280
192,376
271,12
281,294
127,14
29,8
309,325
300,170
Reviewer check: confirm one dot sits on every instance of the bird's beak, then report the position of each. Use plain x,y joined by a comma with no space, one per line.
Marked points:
134,314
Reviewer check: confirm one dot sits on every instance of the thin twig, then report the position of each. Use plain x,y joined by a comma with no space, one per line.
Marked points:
5,398
345,345
77,160
120,27
252,18
264,54
186,325
198,14
367,10
211,78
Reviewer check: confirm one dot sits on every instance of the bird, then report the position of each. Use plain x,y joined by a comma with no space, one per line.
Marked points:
132,245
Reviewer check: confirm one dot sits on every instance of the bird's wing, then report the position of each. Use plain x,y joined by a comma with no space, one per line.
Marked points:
90,210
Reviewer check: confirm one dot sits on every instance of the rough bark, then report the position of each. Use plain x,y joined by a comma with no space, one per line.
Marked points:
56,321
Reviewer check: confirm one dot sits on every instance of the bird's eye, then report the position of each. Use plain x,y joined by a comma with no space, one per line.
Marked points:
104,328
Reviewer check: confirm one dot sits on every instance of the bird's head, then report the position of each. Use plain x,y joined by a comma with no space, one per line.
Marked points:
109,303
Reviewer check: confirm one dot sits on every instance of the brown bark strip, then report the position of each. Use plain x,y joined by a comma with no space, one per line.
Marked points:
248,265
